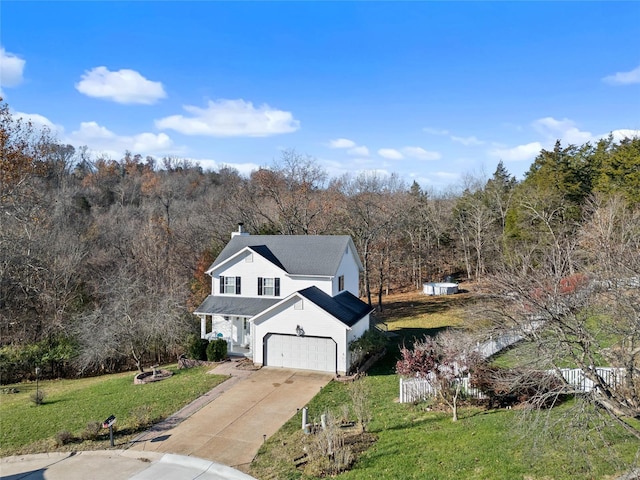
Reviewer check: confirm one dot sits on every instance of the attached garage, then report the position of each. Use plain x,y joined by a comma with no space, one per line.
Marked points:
309,330
300,352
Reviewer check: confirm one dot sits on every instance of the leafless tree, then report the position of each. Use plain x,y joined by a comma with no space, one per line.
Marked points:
129,321
368,212
442,360
577,301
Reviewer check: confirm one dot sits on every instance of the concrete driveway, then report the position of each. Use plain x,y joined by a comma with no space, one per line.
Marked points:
236,416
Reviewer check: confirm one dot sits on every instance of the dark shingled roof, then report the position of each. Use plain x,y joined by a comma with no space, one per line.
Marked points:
345,306
295,254
264,251
241,306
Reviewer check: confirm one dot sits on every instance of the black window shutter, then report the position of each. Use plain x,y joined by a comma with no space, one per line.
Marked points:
221,284
259,285
237,285
276,286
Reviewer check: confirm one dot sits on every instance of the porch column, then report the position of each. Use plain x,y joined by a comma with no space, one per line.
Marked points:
203,326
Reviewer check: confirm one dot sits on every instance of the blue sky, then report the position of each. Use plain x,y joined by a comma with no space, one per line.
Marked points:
432,91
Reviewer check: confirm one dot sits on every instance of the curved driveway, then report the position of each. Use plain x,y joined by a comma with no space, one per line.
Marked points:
233,420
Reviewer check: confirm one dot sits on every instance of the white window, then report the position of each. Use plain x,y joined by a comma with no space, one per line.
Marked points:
269,287
230,285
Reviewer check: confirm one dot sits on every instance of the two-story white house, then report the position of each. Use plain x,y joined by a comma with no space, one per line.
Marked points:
287,300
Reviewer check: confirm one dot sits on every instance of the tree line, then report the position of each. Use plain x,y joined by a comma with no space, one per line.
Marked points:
102,260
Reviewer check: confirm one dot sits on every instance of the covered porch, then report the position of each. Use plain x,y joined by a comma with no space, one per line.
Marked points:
236,330
229,318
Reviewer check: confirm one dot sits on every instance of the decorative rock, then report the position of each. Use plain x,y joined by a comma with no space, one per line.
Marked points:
148,377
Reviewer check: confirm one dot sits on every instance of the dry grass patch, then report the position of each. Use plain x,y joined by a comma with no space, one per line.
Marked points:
415,310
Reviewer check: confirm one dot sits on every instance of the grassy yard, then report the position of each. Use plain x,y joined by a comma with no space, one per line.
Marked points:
414,443
70,405
417,442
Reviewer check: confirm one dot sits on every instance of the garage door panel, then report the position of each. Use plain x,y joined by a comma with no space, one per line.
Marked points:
306,353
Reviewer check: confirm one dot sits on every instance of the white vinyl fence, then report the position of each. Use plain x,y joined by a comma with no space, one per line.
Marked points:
418,389
576,377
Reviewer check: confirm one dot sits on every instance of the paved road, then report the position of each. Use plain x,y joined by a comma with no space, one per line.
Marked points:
223,428
232,426
114,465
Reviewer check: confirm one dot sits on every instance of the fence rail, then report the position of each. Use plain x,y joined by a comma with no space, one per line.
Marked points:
418,389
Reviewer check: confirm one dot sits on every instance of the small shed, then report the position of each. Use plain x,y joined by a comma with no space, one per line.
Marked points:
445,288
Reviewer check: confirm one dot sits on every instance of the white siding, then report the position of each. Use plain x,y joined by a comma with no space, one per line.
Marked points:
314,321
260,267
297,283
349,269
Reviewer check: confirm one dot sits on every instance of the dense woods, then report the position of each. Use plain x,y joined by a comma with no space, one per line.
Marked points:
102,260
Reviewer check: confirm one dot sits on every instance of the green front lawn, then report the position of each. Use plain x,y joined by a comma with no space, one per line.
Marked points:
70,405
414,443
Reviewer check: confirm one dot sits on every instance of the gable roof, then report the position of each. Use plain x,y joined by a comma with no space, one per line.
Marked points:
295,254
264,251
345,306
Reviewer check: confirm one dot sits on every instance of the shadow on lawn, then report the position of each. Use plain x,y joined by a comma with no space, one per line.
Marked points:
404,336
420,304
408,308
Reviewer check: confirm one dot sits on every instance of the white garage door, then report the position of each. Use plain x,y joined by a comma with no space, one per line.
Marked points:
306,353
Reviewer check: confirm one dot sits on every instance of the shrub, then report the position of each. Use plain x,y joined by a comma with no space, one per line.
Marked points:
510,386
17,361
360,393
64,437
217,350
197,347
91,431
141,416
38,397
327,453
370,343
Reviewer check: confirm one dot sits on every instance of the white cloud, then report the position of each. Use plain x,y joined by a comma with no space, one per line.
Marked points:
231,118
39,121
564,130
436,179
100,139
11,69
622,133
390,153
624,78
352,147
420,153
551,130
242,168
342,143
124,86
435,131
519,153
467,141
360,151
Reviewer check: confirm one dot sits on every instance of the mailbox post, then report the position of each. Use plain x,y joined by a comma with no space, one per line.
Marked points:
108,423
